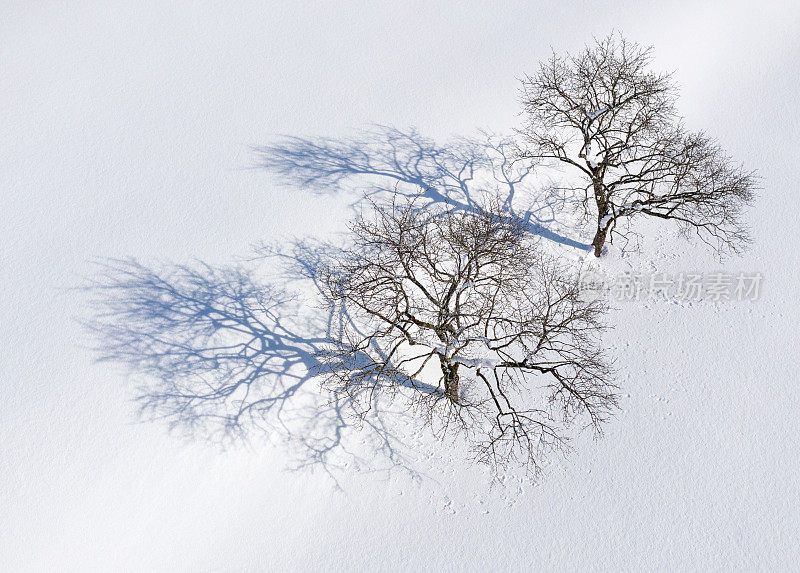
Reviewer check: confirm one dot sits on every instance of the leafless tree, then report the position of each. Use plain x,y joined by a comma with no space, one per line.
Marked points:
458,311
603,113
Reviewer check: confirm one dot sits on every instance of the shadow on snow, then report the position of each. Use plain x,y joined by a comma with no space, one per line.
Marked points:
456,173
221,352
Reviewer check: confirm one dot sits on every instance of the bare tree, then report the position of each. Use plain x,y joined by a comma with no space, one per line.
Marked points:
603,113
459,312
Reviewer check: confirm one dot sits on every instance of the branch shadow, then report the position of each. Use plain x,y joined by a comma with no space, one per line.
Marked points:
456,173
221,353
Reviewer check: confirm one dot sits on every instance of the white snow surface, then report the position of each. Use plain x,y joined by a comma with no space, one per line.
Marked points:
127,129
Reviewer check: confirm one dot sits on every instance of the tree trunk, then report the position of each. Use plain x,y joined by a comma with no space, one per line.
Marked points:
599,239
602,222
450,372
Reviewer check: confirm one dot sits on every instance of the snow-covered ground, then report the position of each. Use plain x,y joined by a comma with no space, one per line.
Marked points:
127,132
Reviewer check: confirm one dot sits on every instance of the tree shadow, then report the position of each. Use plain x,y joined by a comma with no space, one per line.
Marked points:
221,353
456,173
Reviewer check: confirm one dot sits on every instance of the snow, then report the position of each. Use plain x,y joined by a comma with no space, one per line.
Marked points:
127,132
477,362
